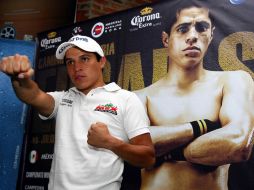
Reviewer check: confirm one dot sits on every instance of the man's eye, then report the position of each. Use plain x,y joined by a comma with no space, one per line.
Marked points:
69,62
183,29
201,27
84,59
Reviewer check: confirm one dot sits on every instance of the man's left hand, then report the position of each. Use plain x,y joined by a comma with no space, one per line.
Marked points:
98,135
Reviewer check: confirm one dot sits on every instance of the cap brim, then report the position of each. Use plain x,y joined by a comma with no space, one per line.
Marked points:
61,50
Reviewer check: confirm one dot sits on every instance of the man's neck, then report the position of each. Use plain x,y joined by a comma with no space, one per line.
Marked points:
87,90
184,77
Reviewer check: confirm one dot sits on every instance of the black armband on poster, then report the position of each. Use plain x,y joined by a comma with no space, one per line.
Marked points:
177,154
173,155
161,159
203,126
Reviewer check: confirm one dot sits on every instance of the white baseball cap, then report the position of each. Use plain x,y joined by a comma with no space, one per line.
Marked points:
83,42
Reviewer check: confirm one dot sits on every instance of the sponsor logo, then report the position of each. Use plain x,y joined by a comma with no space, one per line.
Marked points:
97,29
51,35
47,156
113,26
34,187
51,41
66,102
33,156
71,40
146,19
77,30
78,38
63,48
43,139
16,157
40,175
110,108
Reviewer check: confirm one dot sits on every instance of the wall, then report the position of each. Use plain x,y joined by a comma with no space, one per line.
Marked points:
87,9
31,17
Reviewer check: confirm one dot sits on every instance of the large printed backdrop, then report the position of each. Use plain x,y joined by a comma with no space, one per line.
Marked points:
136,58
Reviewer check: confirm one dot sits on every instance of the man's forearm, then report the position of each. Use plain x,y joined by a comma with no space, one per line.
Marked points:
167,138
138,151
140,155
137,155
29,92
26,90
223,146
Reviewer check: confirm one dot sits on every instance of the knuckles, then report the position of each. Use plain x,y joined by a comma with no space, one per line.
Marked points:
15,64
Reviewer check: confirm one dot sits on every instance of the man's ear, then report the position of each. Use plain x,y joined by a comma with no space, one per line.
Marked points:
212,32
164,37
103,62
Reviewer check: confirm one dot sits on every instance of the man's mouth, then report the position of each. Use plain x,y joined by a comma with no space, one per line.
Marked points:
192,51
78,77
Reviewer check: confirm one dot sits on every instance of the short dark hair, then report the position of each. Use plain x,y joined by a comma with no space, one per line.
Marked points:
172,20
98,57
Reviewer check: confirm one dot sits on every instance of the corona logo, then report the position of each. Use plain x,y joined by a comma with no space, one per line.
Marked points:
51,35
146,11
137,20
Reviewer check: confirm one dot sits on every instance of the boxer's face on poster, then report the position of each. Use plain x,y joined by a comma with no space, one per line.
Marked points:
190,36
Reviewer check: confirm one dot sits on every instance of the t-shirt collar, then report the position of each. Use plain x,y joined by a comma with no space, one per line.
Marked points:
111,87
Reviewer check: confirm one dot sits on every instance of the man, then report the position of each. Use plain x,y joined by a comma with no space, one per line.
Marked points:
97,125
201,121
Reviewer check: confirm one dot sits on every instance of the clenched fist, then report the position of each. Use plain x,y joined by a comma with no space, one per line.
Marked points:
98,135
16,66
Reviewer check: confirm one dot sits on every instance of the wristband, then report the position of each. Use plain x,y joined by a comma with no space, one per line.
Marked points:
177,154
204,126
204,168
161,159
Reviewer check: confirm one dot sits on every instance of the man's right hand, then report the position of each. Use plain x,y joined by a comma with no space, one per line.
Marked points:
17,66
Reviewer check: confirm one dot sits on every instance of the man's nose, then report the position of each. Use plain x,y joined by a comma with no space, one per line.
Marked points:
192,36
77,66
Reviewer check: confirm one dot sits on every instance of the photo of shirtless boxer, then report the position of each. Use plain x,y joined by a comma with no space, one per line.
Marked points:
201,121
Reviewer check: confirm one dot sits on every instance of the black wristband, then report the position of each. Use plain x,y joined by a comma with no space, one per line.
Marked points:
161,159
196,129
177,154
172,155
203,126
211,126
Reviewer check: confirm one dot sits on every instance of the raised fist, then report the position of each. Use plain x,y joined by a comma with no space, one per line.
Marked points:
16,66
